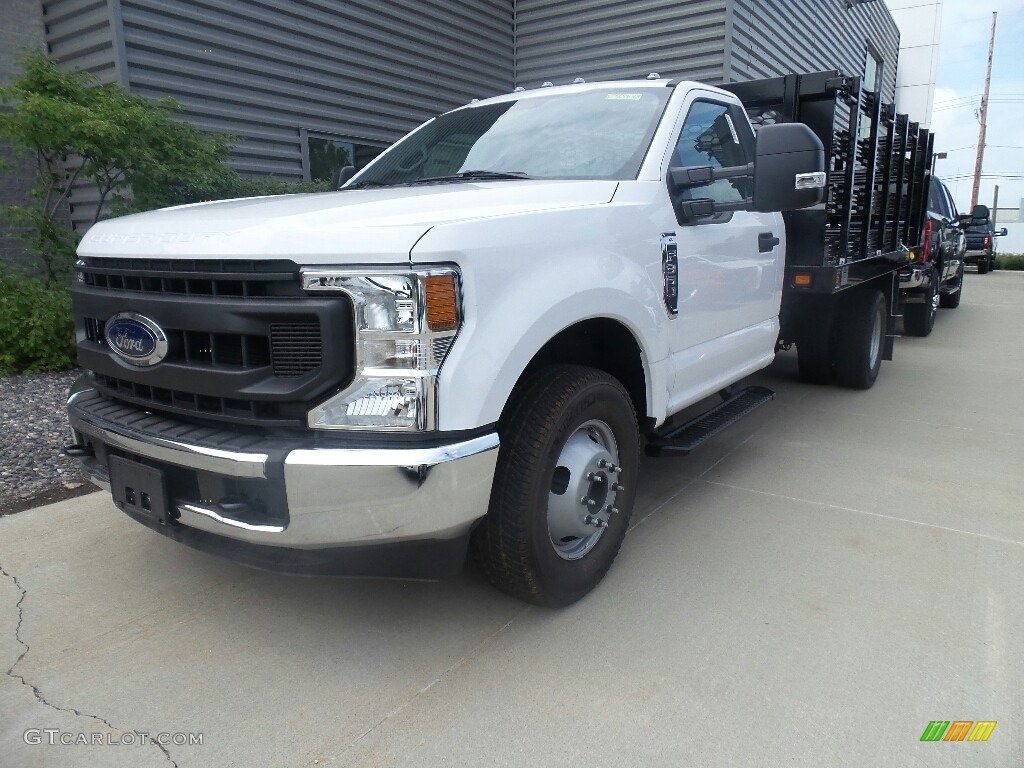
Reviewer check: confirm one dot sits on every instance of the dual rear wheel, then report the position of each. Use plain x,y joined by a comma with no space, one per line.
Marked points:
847,348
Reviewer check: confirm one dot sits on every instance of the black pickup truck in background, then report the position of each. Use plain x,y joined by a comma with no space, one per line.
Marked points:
936,276
981,239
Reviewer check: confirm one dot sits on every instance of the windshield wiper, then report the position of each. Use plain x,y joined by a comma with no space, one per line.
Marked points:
475,175
365,184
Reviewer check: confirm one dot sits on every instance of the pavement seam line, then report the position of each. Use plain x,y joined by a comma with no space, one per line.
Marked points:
894,518
412,699
35,690
868,415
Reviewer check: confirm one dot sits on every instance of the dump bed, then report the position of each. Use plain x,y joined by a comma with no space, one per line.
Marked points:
877,163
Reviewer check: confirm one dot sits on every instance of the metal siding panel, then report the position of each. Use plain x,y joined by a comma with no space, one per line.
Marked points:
79,34
263,70
606,39
776,37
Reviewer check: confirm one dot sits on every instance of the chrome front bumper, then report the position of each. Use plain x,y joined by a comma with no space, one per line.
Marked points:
336,496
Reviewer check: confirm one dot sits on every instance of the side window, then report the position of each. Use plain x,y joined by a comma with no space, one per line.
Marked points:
936,204
952,206
712,136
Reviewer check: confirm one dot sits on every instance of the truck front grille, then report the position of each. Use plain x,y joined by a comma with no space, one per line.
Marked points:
244,343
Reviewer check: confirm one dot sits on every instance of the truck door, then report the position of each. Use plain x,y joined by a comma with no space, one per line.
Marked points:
730,265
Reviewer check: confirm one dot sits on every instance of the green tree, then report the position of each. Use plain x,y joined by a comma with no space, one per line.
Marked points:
81,131
131,148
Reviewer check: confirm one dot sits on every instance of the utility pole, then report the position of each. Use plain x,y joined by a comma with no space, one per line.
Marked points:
983,117
995,207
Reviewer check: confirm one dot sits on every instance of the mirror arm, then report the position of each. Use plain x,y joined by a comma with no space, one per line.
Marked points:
704,175
694,209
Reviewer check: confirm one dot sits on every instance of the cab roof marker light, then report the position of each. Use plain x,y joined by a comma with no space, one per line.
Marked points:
654,76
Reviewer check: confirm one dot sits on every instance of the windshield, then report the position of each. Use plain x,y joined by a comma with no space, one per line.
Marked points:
597,134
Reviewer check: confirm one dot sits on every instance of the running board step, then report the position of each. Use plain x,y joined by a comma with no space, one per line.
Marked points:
691,435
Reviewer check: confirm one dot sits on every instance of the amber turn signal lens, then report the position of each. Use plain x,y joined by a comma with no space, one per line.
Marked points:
802,280
442,303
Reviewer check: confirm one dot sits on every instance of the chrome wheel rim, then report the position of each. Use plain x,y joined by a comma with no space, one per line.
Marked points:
585,486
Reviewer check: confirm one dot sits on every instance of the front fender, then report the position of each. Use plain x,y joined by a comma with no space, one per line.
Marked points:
526,281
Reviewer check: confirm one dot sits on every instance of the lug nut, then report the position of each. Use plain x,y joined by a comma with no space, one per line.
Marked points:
594,477
611,510
618,487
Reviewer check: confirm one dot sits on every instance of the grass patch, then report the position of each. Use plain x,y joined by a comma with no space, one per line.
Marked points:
1010,261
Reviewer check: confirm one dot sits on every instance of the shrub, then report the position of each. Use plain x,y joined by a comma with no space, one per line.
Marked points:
36,330
1010,261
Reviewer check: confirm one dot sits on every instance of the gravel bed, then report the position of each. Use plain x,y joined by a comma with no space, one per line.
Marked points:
33,429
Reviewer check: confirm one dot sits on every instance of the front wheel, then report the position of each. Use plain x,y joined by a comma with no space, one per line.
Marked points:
564,486
952,300
861,339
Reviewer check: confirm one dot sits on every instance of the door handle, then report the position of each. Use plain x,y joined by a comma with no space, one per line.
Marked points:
766,242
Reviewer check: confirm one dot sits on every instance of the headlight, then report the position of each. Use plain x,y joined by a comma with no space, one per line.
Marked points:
405,322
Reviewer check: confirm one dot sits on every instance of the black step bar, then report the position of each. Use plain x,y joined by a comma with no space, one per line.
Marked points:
691,435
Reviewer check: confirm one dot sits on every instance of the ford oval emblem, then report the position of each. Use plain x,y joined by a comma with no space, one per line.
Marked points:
136,339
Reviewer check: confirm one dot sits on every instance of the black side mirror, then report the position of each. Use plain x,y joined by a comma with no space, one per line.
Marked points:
789,168
345,173
1002,232
980,215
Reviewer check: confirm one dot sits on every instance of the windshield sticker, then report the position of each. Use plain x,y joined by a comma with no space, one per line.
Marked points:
624,97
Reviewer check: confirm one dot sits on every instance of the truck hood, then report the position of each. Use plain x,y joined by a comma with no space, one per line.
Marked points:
367,225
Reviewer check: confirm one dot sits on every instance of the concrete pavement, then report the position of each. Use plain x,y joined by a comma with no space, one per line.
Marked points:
809,589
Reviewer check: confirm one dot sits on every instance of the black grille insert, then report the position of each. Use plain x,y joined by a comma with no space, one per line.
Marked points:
193,277
189,402
297,348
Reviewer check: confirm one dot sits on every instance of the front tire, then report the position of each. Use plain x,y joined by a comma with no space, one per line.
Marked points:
861,340
952,300
564,486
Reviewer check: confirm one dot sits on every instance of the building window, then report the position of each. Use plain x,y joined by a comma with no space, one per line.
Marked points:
327,155
873,71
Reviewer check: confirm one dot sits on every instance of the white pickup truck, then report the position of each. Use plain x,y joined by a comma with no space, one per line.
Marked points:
460,348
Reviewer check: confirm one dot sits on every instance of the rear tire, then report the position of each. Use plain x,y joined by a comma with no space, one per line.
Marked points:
861,339
815,352
952,300
919,319
983,266
566,425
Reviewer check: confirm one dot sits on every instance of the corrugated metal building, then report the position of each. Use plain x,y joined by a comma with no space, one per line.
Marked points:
306,84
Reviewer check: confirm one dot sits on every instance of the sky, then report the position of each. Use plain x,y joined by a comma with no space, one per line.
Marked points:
959,84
